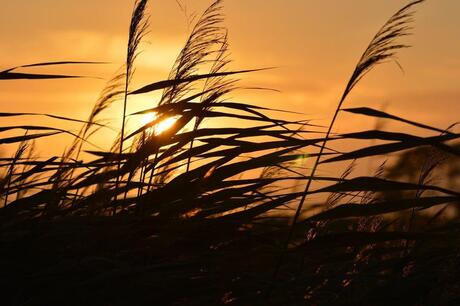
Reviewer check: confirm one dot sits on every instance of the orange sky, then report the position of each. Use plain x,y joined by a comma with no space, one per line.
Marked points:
314,43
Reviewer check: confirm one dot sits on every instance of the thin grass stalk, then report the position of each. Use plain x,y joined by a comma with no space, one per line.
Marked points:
19,181
143,170
382,47
213,87
137,30
152,172
17,156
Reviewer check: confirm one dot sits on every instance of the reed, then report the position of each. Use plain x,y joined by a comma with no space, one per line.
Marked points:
193,214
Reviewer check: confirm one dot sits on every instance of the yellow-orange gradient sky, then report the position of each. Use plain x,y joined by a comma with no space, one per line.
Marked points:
314,43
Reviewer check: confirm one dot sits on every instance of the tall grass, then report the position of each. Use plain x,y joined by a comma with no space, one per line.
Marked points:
195,214
382,47
137,30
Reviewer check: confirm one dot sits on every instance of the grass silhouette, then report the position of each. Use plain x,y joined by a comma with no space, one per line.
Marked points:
199,215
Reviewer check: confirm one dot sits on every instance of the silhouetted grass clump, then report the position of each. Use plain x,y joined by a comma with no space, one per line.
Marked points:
183,213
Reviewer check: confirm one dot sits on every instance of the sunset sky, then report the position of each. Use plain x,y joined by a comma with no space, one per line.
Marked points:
315,45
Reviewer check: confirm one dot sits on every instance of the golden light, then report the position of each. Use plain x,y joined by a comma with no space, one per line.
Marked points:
165,125
147,118
160,127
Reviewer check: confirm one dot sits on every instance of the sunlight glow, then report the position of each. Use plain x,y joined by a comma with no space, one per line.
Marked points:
147,118
165,125
160,127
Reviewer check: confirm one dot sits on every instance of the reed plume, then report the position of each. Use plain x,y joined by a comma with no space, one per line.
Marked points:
137,30
382,47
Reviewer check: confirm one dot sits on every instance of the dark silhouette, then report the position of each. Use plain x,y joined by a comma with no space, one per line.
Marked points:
188,214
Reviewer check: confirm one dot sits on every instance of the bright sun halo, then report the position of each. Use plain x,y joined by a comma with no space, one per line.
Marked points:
160,127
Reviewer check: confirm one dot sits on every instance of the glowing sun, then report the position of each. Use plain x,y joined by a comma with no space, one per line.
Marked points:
161,126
